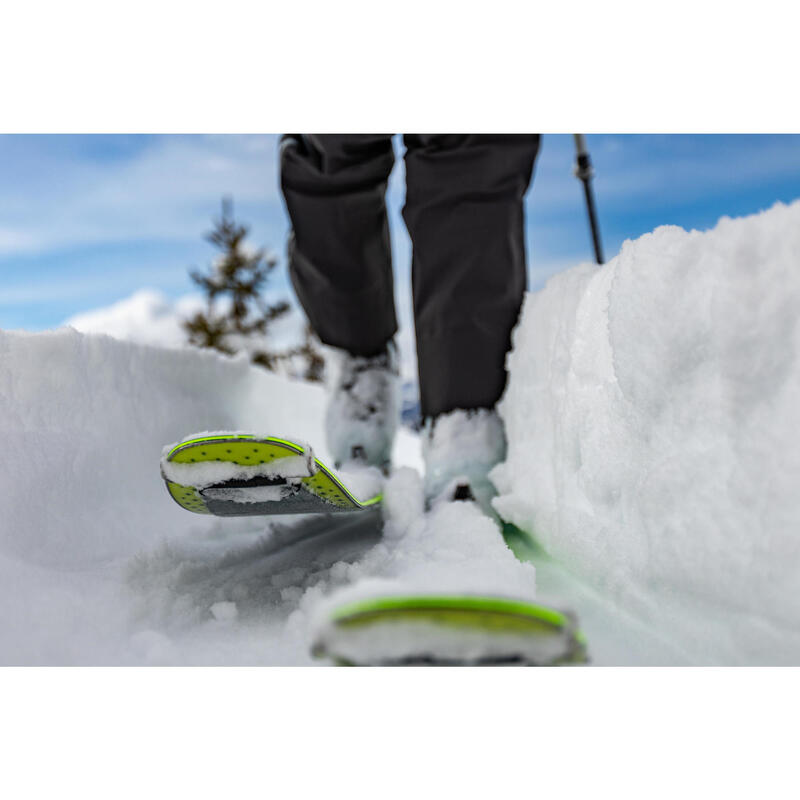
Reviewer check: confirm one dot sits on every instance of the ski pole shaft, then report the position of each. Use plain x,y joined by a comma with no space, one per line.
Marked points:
584,172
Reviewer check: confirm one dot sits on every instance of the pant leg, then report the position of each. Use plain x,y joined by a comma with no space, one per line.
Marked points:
464,213
340,260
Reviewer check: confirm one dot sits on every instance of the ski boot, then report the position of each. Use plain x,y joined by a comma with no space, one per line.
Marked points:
364,410
460,449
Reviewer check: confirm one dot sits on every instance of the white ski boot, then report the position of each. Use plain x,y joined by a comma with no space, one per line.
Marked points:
460,449
364,409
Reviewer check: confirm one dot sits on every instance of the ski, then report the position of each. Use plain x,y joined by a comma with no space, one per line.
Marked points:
241,474
449,630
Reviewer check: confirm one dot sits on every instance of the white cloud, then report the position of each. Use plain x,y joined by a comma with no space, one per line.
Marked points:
150,317
146,317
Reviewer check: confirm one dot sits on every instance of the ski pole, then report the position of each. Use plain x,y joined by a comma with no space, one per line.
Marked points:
584,172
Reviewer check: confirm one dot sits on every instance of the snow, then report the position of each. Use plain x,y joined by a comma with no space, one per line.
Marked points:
148,316
251,494
454,548
224,611
98,565
362,480
652,415
653,418
399,642
206,473
84,419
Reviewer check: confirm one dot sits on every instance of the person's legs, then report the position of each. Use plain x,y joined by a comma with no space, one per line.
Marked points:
339,254
464,212
341,268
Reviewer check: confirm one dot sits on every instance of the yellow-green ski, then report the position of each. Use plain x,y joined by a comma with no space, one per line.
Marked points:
320,490
450,629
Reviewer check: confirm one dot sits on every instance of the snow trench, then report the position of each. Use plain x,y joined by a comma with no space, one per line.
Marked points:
653,419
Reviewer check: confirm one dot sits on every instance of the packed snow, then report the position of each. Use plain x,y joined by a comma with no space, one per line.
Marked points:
652,418
454,549
207,473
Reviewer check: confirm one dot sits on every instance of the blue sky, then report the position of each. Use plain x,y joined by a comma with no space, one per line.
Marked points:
86,220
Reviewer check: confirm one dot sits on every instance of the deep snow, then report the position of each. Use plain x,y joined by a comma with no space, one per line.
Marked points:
97,564
653,414
653,423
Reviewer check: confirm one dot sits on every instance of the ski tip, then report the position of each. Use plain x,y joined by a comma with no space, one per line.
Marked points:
225,474
450,630
202,460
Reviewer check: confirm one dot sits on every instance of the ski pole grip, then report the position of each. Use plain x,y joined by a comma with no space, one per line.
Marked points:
583,167
583,164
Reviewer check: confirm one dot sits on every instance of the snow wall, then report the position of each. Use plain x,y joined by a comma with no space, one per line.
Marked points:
98,565
83,421
653,413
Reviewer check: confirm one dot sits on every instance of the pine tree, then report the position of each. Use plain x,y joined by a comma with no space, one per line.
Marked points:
236,316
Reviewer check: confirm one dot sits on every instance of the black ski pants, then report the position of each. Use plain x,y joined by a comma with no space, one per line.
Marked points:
464,213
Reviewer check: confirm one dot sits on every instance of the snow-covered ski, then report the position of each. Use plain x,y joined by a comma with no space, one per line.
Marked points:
242,474
449,629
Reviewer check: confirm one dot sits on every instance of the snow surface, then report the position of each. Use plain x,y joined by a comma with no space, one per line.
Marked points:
363,480
653,418
454,548
653,415
98,565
